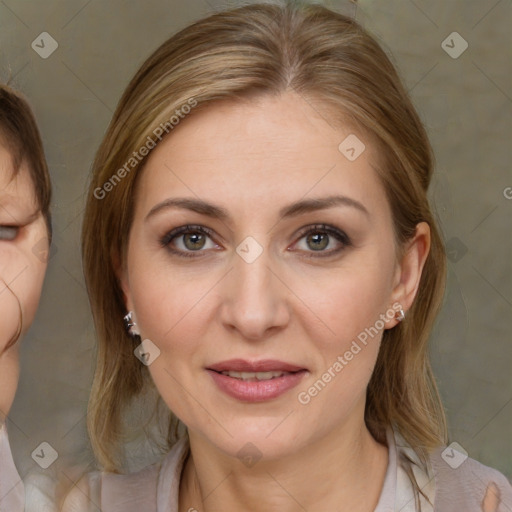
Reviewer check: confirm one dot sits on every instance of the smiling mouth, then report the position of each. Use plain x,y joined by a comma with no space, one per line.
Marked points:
255,376
255,381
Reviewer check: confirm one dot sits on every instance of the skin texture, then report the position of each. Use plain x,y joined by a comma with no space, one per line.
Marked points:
253,159
22,268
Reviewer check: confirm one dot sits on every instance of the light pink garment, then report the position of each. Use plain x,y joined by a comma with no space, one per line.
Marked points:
461,489
12,497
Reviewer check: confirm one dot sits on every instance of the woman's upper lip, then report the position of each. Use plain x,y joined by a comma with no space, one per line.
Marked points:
264,365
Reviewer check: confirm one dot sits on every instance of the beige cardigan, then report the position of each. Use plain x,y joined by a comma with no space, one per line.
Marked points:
449,488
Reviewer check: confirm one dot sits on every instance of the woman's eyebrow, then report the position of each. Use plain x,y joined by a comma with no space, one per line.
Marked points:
291,210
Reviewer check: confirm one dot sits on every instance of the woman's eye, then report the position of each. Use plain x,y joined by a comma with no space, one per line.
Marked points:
8,233
321,237
187,239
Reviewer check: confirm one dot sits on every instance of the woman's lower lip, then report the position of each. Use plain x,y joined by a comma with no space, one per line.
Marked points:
257,391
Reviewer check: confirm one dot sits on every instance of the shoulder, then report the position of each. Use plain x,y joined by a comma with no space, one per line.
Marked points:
112,492
452,481
461,480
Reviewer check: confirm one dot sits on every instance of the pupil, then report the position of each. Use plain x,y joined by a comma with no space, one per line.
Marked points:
195,242
315,239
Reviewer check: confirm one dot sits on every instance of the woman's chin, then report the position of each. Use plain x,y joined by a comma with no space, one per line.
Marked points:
254,440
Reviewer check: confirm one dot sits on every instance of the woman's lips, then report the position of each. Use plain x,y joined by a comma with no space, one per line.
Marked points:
264,365
256,381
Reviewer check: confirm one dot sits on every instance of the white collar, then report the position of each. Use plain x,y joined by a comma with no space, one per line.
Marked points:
12,495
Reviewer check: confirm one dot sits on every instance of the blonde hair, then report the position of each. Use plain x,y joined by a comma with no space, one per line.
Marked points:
264,49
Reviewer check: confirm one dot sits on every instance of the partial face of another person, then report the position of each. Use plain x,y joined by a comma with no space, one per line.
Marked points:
23,243
258,307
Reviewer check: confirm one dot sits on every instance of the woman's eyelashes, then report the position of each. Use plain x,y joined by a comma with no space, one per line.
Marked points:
192,238
320,240
8,233
320,236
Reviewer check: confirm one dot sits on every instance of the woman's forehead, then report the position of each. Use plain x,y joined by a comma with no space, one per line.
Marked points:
14,183
278,141
267,124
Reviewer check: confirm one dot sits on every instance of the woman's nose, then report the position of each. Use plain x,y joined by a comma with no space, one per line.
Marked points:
255,299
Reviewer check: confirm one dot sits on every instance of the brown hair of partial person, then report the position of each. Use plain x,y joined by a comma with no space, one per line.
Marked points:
265,49
21,137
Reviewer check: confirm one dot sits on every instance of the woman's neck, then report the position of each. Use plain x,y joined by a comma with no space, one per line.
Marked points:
344,472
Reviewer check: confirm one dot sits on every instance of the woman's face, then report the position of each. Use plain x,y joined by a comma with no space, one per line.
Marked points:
23,250
245,293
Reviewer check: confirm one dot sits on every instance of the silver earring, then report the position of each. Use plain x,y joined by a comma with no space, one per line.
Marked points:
400,315
130,324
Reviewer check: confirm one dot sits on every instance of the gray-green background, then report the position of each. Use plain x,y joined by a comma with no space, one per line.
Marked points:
465,102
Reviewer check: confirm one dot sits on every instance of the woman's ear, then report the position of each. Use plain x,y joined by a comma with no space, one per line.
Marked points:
410,268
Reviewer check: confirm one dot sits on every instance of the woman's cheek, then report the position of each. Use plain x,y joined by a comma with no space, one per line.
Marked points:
9,316
24,273
9,374
348,303
36,258
31,293
164,305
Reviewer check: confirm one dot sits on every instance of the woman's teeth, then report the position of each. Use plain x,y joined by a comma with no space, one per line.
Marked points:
254,376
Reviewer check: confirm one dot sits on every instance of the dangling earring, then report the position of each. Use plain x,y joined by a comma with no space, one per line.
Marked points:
400,315
131,325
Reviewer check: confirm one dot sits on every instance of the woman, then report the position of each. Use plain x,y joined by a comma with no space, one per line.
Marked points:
258,247
25,231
